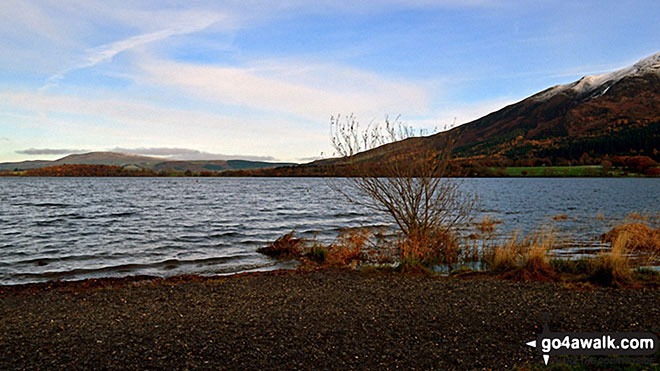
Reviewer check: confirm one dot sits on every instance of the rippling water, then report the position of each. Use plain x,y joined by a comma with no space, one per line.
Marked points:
72,228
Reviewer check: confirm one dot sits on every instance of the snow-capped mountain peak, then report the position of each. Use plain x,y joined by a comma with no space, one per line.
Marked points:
596,85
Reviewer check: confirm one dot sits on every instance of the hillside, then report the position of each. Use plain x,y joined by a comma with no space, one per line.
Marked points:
596,117
617,113
137,162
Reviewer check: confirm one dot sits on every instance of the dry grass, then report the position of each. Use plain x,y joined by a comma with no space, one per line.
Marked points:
524,258
505,257
535,265
637,216
638,236
428,249
349,248
613,268
487,224
477,244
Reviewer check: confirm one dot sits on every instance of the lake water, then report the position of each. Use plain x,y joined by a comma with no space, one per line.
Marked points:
74,228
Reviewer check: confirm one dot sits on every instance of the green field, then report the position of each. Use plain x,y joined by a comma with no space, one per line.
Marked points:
560,171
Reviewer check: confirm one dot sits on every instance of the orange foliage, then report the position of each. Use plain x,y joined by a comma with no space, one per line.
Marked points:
285,246
638,164
429,249
640,236
349,247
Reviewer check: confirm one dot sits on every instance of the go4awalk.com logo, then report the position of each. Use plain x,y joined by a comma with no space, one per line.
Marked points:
594,343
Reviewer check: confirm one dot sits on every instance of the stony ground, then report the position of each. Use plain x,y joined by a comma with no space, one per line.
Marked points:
324,319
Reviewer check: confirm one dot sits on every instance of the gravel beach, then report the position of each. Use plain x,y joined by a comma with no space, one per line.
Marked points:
325,319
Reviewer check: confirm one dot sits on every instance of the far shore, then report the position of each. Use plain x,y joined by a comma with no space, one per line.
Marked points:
302,171
317,319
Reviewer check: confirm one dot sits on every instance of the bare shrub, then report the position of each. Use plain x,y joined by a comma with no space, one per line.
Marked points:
409,182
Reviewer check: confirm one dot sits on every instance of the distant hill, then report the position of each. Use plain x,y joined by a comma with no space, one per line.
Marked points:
130,161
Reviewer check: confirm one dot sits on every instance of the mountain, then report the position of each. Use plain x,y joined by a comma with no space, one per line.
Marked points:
612,113
141,162
616,113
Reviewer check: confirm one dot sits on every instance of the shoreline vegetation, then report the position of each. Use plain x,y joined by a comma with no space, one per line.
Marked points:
620,166
633,248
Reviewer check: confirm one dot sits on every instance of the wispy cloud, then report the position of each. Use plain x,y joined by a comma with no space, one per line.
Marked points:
302,89
189,154
50,151
106,52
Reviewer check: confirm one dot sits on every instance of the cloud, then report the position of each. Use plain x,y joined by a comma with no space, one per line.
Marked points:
309,159
5,139
129,113
187,154
107,51
50,151
307,90
183,154
24,18
102,123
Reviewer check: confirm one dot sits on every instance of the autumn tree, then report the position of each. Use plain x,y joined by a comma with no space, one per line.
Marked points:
409,182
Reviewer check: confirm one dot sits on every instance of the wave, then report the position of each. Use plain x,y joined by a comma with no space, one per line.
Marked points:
45,204
128,268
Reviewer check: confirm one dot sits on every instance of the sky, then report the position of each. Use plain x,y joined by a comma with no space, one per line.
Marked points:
260,80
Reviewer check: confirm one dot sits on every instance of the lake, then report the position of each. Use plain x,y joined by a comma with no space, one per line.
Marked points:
75,228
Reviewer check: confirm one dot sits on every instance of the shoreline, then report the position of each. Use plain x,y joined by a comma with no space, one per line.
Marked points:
228,176
324,318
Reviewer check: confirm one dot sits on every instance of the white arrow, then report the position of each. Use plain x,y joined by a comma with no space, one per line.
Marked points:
546,357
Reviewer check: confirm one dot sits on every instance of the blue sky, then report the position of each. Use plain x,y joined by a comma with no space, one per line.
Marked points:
260,79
